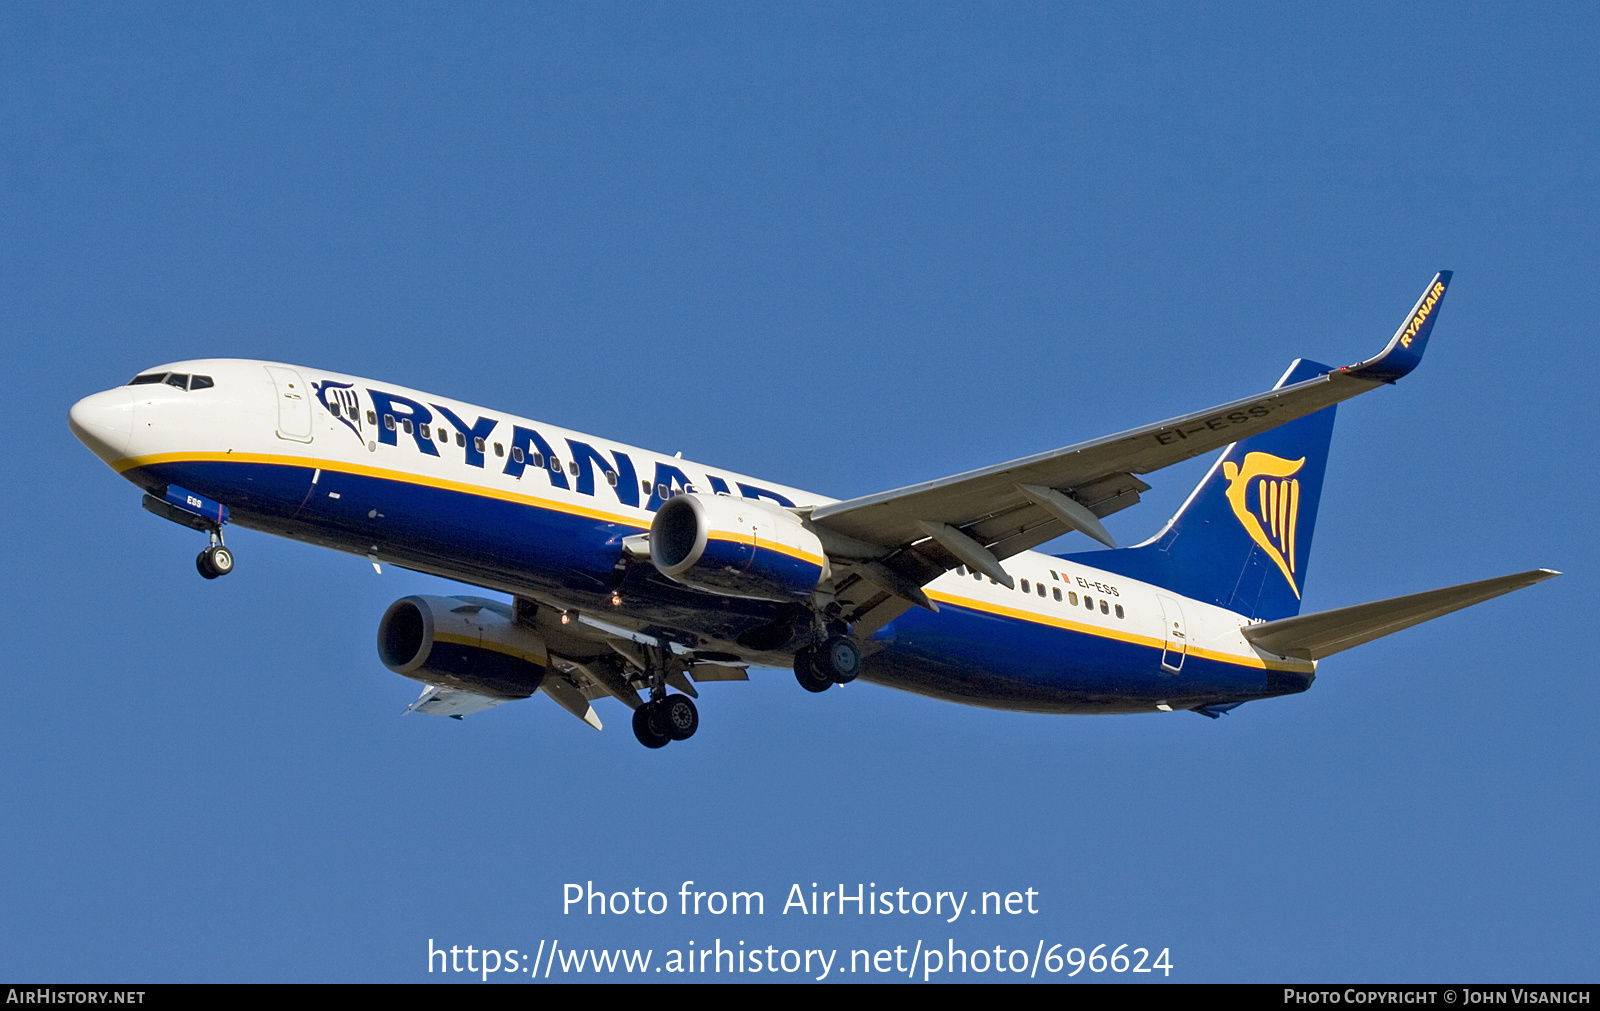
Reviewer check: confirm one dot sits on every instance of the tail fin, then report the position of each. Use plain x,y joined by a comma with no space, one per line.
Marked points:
1243,538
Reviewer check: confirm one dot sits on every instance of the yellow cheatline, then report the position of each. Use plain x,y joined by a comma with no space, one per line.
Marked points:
755,542
1115,634
477,643
364,470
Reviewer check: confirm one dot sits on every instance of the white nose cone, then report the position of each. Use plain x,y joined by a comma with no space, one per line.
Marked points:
104,423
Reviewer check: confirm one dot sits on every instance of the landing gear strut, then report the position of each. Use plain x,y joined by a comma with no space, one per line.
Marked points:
665,718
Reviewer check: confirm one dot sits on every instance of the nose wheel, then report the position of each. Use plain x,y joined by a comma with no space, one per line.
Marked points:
214,561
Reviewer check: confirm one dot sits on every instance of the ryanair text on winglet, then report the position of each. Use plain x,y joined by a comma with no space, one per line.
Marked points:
1423,312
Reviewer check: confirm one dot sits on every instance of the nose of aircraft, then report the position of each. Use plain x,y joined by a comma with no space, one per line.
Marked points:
104,422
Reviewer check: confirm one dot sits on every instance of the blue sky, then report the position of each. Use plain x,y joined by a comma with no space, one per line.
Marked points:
847,250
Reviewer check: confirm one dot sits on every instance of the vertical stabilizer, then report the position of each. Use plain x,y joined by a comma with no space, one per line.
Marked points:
1243,538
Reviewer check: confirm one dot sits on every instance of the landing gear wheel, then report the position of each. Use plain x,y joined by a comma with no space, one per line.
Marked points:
805,671
839,660
680,716
645,730
219,558
202,564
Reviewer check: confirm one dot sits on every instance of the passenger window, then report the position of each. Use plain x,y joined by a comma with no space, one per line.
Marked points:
572,465
516,453
179,379
461,440
961,570
555,465
661,491
426,432
1119,611
477,444
538,459
372,418
1025,586
1057,591
611,478
200,383
388,422
1040,588
499,450
147,379
406,422
1104,607
1088,602
333,409
444,435
978,576
1072,598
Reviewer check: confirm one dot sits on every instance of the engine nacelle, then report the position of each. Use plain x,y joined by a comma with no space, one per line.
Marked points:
740,547
462,642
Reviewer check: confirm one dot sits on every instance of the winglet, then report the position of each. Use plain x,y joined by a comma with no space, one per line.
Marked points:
1405,350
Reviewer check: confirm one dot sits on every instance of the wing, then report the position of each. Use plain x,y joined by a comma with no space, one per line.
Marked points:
890,544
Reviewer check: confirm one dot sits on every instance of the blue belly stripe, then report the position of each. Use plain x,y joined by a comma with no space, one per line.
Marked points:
961,653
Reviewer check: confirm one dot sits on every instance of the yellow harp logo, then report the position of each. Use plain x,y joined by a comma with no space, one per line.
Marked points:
1276,505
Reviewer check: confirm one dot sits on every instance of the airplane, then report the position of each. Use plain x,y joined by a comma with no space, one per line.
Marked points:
630,571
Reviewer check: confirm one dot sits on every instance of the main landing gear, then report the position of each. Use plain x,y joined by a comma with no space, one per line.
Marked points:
836,662
215,560
664,718
658,723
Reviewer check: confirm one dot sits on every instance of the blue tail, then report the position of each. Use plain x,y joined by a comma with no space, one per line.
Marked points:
1243,539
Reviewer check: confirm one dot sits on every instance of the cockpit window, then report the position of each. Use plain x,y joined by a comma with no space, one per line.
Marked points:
181,380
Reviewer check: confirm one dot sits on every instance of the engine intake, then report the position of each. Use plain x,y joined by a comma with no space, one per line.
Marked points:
739,547
468,643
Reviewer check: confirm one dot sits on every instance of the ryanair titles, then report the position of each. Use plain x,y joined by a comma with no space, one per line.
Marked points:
434,427
1424,310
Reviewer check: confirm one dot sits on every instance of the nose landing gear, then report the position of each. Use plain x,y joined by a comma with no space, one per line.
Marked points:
215,560
196,512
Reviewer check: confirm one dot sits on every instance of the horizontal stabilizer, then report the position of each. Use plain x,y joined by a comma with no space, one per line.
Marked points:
1314,636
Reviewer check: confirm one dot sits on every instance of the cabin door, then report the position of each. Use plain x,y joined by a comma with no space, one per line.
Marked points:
1174,635
294,404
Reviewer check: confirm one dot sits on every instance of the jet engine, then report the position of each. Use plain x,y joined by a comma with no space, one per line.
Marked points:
470,643
738,547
